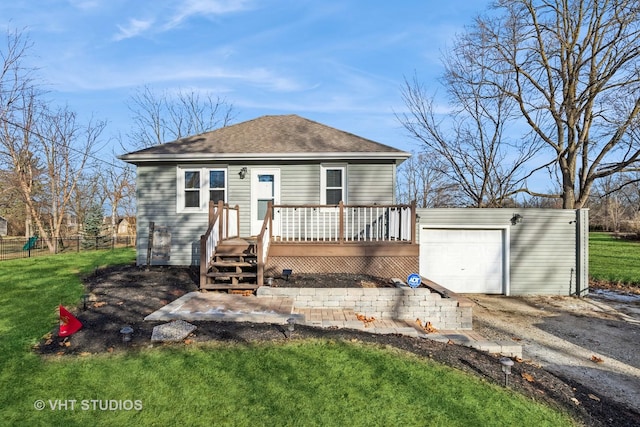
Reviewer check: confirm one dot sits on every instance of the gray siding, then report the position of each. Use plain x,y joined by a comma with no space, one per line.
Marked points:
299,185
543,246
156,198
369,184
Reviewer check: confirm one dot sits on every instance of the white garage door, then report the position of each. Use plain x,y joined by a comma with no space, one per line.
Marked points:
464,260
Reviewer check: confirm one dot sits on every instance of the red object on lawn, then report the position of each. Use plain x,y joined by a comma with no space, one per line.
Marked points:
69,325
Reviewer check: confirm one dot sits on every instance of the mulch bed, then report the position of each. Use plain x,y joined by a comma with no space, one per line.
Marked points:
123,296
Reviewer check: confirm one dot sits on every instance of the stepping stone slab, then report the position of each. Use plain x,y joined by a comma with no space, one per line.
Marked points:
173,331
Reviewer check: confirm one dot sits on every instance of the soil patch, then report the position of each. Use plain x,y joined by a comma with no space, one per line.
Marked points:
332,281
123,296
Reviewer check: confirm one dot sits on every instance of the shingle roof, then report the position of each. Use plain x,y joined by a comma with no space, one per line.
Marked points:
286,136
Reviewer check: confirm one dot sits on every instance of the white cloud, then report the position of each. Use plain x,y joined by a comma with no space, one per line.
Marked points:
133,28
189,8
85,4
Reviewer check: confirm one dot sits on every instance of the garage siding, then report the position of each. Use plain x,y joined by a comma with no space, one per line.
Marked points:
542,247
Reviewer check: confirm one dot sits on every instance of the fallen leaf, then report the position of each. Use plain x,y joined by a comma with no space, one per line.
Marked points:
60,353
67,343
516,339
99,304
48,342
85,353
367,320
528,377
596,359
428,328
450,342
110,349
518,359
188,341
576,401
593,397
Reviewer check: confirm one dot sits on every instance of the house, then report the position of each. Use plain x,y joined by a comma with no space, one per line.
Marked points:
281,194
313,183
125,226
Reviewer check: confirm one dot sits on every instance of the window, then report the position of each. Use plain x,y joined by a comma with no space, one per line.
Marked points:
217,184
191,189
333,185
198,185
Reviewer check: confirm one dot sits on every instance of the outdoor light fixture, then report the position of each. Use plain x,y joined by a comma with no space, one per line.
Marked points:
286,273
516,219
291,322
506,363
126,333
243,172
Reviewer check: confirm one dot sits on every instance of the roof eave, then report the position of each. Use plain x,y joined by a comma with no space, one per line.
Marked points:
399,156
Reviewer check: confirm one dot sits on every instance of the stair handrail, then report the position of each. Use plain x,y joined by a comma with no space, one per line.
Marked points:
263,242
219,229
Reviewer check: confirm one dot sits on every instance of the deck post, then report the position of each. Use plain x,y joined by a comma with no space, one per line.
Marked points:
221,221
237,208
203,261
413,222
212,210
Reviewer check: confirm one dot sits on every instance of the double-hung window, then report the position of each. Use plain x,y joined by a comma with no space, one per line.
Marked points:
333,184
198,185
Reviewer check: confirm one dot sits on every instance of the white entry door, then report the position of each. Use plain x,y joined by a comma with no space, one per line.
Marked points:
265,188
465,260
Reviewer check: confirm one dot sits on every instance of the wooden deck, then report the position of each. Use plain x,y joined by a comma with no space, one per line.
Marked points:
316,238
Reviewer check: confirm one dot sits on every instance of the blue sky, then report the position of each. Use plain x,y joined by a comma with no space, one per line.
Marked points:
339,62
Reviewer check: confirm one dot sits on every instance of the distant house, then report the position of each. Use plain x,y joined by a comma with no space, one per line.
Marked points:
124,226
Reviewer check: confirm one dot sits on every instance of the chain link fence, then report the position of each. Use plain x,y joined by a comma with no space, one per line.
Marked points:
13,248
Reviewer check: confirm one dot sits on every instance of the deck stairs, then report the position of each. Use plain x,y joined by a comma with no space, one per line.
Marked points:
234,266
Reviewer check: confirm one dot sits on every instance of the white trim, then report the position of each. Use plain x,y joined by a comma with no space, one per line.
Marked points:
506,246
204,186
324,167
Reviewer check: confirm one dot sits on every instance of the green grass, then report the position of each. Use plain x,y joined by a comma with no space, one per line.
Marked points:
614,260
296,383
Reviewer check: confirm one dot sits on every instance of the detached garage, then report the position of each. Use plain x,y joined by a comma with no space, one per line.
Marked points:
505,251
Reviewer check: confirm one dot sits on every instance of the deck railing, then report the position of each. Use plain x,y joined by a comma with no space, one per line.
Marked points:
224,223
344,223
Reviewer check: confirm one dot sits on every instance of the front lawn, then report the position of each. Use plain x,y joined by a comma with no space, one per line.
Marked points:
317,382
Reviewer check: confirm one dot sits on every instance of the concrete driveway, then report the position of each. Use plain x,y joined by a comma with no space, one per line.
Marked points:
594,340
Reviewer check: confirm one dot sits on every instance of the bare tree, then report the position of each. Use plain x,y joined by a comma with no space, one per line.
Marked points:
420,179
161,117
470,145
65,147
118,186
572,70
45,149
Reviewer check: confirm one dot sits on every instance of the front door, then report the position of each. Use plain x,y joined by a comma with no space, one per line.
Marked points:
265,188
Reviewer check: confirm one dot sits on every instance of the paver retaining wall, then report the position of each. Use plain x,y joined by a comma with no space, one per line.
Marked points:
392,303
